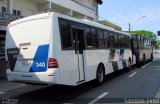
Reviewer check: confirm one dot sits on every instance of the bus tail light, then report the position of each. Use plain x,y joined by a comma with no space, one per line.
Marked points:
52,63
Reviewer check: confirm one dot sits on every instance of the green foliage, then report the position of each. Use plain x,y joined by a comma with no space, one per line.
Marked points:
149,34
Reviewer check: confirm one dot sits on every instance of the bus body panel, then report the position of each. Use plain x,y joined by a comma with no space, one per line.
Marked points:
142,47
67,60
36,77
69,72
27,48
95,57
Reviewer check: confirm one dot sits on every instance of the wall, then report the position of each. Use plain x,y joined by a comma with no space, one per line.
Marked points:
26,7
29,7
86,3
3,3
76,7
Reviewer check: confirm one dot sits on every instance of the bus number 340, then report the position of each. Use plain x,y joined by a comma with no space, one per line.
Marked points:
40,64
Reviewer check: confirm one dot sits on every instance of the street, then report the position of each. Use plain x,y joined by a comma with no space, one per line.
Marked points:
59,51
121,86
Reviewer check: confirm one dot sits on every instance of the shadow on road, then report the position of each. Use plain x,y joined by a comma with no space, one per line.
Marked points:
61,94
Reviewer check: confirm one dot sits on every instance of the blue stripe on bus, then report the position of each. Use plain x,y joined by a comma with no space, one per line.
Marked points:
124,63
121,52
40,59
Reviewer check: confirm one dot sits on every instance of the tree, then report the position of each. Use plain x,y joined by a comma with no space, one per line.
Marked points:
149,34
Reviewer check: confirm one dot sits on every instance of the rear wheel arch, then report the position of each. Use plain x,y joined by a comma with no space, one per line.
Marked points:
100,74
102,65
144,59
151,57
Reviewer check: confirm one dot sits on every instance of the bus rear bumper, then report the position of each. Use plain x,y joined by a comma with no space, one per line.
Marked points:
48,77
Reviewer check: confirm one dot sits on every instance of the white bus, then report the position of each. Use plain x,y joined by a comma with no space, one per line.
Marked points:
57,49
142,49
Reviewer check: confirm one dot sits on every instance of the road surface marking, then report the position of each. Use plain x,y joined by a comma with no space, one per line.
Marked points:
158,94
148,63
1,93
132,74
98,98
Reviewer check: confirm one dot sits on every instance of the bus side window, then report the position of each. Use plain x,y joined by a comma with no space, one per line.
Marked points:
145,42
116,40
119,40
129,42
106,36
94,37
88,35
123,41
101,38
111,35
139,41
65,35
142,42
91,37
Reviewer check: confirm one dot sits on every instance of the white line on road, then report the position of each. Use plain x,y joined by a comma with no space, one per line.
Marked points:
146,65
1,93
98,98
158,94
132,74
149,63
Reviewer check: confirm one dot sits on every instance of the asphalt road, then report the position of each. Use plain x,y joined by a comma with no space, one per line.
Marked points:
123,86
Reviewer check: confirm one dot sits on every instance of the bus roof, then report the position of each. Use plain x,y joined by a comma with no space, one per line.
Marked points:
49,14
30,18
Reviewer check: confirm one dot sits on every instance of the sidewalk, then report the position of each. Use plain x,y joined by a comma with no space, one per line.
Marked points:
6,86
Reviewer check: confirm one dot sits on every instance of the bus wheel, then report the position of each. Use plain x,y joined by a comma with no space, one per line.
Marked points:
138,63
151,57
100,75
144,60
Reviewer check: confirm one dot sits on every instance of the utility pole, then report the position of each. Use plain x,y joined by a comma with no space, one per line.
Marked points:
129,25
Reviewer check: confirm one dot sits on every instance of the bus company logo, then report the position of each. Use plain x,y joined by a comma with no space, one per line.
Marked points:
13,51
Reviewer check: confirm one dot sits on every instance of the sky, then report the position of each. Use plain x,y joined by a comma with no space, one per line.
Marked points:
142,14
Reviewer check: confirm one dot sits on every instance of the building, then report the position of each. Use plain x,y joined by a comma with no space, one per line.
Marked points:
14,9
107,23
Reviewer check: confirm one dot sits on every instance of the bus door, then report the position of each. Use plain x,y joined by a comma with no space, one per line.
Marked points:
135,50
78,40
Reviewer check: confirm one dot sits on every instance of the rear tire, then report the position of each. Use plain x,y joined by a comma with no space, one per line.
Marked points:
100,75
144,60
138,63
151,57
